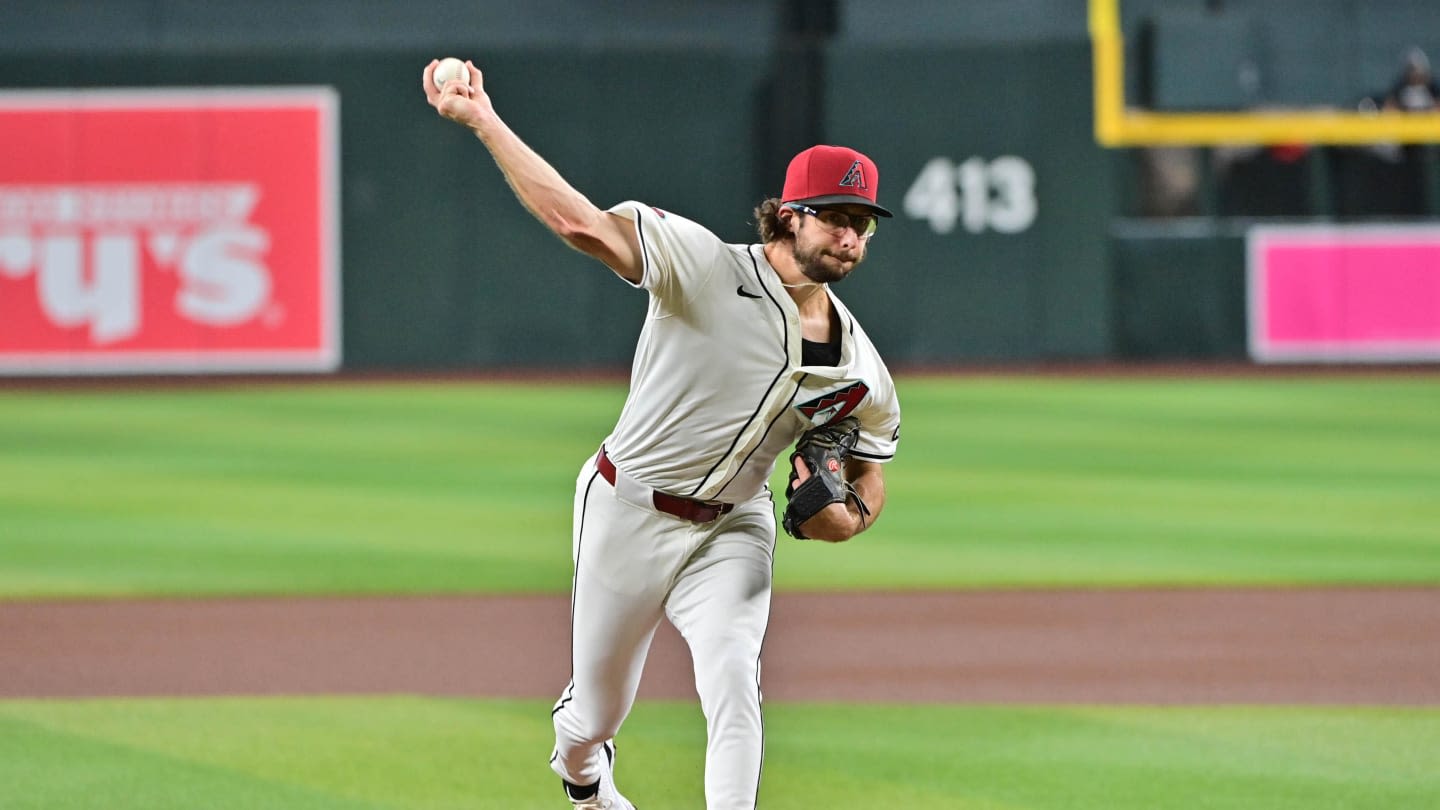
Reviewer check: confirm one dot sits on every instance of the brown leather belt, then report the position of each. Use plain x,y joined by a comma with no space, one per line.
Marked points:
683,508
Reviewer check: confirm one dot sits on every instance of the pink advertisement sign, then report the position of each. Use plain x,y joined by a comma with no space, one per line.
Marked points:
1344,293
186,230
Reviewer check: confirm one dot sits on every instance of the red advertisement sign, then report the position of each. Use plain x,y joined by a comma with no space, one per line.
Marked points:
1344,292
169,231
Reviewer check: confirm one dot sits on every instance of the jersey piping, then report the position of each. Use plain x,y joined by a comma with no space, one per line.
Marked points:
778,416
644,251
784,366
580,530
871,456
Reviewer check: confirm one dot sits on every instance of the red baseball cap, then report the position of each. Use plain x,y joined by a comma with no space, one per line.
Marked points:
832,175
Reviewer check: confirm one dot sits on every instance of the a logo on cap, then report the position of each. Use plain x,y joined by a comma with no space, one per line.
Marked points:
855,177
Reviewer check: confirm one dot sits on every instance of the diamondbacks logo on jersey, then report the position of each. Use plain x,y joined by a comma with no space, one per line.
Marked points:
834,405
855,177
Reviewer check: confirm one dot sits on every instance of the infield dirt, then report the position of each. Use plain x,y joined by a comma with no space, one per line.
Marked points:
1298,646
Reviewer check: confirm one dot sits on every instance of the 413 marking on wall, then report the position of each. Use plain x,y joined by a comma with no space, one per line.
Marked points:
981,194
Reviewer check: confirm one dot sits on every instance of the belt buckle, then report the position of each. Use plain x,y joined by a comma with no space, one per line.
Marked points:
695,509
717,506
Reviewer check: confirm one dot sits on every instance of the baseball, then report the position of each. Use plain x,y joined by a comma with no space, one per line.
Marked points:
450,68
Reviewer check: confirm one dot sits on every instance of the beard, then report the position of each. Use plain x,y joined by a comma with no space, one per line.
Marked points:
812,262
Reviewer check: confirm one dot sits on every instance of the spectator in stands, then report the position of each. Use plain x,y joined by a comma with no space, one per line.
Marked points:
1415,90
1389,179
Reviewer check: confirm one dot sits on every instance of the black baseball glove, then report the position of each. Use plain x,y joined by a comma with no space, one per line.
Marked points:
823,450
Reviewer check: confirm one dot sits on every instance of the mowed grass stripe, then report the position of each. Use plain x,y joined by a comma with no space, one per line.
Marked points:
467,486
413,753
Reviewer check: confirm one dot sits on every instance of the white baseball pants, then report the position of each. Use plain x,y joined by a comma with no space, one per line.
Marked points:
634,564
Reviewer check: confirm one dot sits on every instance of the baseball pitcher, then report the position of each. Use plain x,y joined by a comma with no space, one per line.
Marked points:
746,356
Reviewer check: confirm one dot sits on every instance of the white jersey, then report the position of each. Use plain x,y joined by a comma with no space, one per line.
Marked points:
718,390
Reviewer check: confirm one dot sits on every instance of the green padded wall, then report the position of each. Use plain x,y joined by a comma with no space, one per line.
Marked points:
983,290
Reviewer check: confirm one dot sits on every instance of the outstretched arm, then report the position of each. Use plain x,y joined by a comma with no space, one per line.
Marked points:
541,189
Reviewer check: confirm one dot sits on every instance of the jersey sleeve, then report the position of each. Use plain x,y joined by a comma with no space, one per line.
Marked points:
679,254
879,419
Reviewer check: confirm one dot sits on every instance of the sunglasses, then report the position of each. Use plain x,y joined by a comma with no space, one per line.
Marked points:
835,222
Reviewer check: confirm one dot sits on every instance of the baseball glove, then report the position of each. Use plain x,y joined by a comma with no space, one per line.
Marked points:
823,450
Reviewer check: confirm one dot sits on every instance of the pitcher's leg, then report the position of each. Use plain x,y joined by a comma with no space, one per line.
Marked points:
616,604
721,605
610,640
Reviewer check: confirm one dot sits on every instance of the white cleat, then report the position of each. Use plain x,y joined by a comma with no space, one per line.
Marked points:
606,796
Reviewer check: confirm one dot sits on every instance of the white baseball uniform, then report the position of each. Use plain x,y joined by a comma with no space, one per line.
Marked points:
718,392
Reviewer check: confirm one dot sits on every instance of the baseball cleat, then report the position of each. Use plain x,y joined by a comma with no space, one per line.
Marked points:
602,795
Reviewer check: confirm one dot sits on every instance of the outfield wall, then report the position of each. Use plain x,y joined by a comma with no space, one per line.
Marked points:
1017,237
998,252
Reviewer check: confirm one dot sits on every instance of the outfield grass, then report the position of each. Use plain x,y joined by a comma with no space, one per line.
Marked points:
466,487
409,753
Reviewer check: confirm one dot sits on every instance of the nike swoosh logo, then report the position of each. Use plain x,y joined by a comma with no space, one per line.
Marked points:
741,291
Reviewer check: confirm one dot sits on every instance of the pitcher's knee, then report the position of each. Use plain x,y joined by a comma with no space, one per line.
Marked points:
727,677
575,731
582,724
